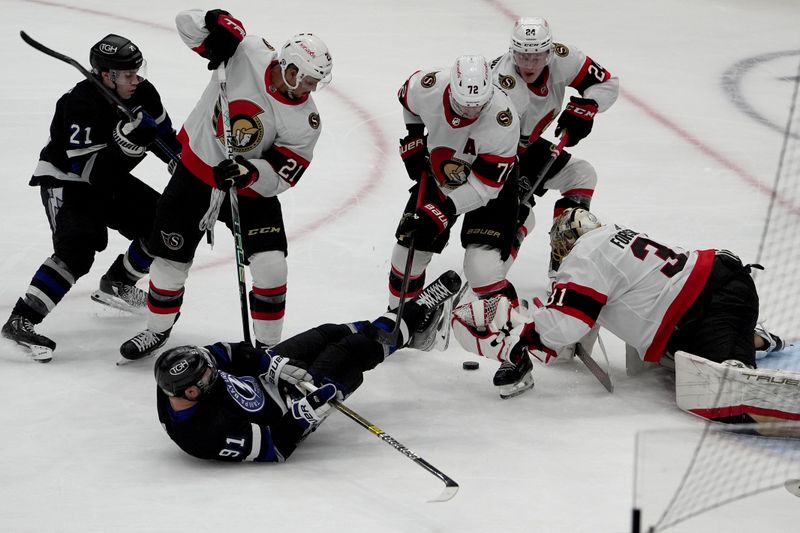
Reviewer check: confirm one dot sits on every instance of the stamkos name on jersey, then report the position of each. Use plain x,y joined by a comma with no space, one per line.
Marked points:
623,238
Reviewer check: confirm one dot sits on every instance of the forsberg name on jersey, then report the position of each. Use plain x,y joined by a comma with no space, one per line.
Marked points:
623,238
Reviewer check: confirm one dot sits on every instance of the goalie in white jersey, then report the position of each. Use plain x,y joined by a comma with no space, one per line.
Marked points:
274,127
460,150
536,72
657,298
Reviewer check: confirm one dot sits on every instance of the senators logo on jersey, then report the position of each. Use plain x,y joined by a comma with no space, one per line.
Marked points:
314,121
449,171
428,80
505,118
506,82
246,128
560,50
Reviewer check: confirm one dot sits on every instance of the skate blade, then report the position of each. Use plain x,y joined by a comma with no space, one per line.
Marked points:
509,391
41,354
116,303
123,361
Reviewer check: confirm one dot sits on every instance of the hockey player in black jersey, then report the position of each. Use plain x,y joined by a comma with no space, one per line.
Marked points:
233,402
84,174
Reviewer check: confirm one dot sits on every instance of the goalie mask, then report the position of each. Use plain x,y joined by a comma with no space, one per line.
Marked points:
182,367
471,86
568,227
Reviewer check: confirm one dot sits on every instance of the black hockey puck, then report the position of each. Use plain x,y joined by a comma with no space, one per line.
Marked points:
470,365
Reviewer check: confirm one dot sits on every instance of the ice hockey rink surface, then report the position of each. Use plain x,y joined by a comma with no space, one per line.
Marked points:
688,154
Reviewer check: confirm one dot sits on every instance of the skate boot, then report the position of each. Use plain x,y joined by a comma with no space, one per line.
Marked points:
120,295
514,376
143,344
20,330
425,314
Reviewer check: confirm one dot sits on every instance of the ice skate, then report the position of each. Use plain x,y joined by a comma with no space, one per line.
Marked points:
425,314
142,344
20,330
773,342
122,296
514,378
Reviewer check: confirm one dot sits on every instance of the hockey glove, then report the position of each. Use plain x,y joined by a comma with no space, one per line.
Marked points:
237,172
432,219
414,151
577,118
224,35
283,369
311,410
134,136
489,327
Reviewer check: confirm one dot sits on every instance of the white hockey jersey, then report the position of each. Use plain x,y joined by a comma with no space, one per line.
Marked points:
538,104
275,133
471,159
626,282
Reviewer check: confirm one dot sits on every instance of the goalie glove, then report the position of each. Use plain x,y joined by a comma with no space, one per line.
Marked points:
490,328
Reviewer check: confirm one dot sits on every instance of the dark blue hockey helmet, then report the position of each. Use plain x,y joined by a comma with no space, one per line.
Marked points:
114,52
181,367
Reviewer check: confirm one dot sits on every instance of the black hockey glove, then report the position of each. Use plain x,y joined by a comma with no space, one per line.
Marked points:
414,151
224,35
577,118
237,172
432,219
135,135
311,410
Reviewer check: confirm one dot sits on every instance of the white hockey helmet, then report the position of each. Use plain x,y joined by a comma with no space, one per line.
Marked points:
310,55
568,227
471,86
531,35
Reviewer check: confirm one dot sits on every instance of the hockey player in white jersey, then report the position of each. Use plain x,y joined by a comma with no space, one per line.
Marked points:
274,128
536,72
657,298
460,150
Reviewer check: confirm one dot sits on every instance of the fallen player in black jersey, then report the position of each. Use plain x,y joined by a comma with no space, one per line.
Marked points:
234,402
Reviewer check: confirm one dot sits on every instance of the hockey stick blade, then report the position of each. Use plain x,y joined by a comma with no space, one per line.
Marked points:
112,98
450,486
601,375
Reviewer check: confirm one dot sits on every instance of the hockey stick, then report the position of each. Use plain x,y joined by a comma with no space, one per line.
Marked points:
601,375
105,91
554,153
234,199
391,337
450,486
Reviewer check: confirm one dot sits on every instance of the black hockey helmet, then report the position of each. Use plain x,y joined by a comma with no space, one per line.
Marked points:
179,368
115,52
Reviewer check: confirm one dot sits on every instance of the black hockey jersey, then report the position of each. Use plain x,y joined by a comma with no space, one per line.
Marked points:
239,419
81,147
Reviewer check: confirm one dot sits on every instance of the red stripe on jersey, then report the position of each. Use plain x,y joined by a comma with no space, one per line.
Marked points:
599,297
584,193
736,410
402,94
260,315
289,154
493,163
272,291
576,313
542,125
686,297
578,84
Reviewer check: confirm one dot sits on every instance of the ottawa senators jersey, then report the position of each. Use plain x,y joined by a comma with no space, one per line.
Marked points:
539,103
81,147
275,133
239,418
634,286
470,159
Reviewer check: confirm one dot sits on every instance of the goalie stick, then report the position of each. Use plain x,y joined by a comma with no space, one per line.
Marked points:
450,486
105,91
601,375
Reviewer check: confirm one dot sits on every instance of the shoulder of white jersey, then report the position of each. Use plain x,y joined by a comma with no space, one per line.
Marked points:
422,84
502,109
567,61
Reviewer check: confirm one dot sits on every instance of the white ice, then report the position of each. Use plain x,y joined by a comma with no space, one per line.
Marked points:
80,444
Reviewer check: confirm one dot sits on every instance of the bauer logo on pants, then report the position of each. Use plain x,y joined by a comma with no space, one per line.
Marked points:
173,241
